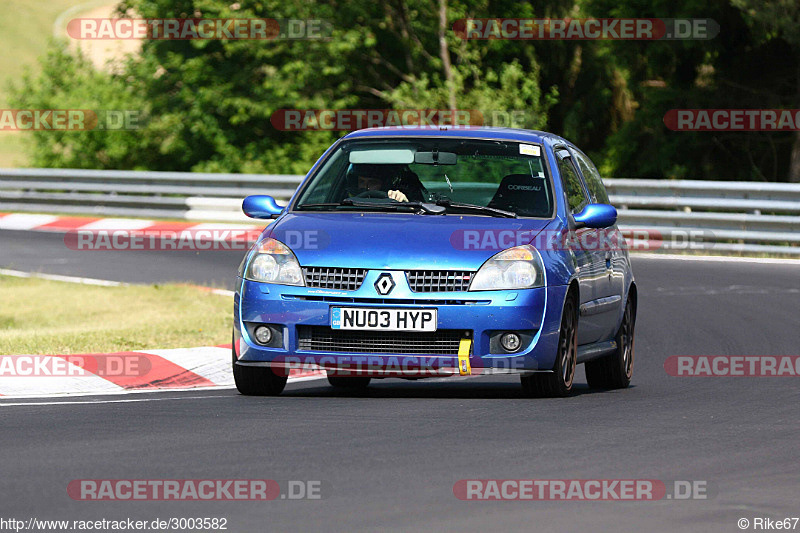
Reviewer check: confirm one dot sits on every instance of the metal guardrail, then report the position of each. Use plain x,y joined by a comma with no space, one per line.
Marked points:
198,196
728,216
746,217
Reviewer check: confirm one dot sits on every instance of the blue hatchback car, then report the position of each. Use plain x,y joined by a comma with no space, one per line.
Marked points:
413,253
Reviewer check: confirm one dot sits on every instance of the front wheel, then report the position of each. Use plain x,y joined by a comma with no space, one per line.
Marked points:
257,380
558,383
615,371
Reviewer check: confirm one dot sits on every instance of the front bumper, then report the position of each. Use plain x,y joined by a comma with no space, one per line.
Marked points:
476,316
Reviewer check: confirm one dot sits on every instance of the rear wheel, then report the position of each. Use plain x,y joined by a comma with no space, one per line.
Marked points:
616,370
257,380
351,383
558,383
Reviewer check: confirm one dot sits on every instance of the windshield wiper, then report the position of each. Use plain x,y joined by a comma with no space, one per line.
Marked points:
394,206
480,208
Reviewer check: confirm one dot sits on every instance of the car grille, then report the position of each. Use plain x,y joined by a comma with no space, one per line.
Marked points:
382,301
344,279
325,339
438,280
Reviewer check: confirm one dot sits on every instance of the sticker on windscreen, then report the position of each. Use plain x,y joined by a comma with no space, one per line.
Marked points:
529,149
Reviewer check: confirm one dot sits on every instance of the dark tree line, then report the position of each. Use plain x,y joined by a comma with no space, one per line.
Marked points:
206,105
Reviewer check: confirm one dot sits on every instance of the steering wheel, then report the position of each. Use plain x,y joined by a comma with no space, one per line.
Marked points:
372,194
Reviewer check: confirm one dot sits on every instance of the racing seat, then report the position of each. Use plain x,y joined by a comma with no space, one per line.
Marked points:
522,193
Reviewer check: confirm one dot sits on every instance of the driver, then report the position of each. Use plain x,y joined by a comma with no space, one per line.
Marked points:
378,178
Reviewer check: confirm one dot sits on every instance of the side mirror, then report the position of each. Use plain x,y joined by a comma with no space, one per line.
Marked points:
596,216
261,206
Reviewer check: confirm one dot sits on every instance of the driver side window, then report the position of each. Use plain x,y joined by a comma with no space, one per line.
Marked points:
592,177
576,199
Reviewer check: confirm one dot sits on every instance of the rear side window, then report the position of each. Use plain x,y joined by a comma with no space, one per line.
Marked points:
592,177
572,184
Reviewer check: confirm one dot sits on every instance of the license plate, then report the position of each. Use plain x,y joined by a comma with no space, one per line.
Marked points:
383,319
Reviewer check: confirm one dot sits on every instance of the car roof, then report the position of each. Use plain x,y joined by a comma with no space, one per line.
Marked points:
469,132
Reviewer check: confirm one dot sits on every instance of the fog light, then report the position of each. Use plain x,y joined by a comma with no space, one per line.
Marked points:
510,342
263,335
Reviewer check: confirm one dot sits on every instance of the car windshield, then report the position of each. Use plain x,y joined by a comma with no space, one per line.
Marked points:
466,176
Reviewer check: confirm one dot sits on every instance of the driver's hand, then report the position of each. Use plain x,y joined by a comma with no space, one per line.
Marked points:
398,196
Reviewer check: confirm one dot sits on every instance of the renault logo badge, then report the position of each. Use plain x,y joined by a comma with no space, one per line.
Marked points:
385,284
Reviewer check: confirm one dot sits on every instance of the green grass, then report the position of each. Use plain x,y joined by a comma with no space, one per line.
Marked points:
13,150
26,27
48,317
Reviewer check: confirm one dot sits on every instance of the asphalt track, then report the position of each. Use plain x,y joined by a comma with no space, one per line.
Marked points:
388,459
33,251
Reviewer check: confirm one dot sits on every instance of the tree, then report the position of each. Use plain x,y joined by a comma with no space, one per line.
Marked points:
779,20
208,103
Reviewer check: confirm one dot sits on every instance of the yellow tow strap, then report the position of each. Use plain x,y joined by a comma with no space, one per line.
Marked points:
464,367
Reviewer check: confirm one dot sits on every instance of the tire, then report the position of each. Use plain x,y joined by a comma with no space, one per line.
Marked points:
558,383
615,371
257,380
349,383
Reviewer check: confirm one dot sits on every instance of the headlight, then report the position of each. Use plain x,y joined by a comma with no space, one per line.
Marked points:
520,267
274,262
